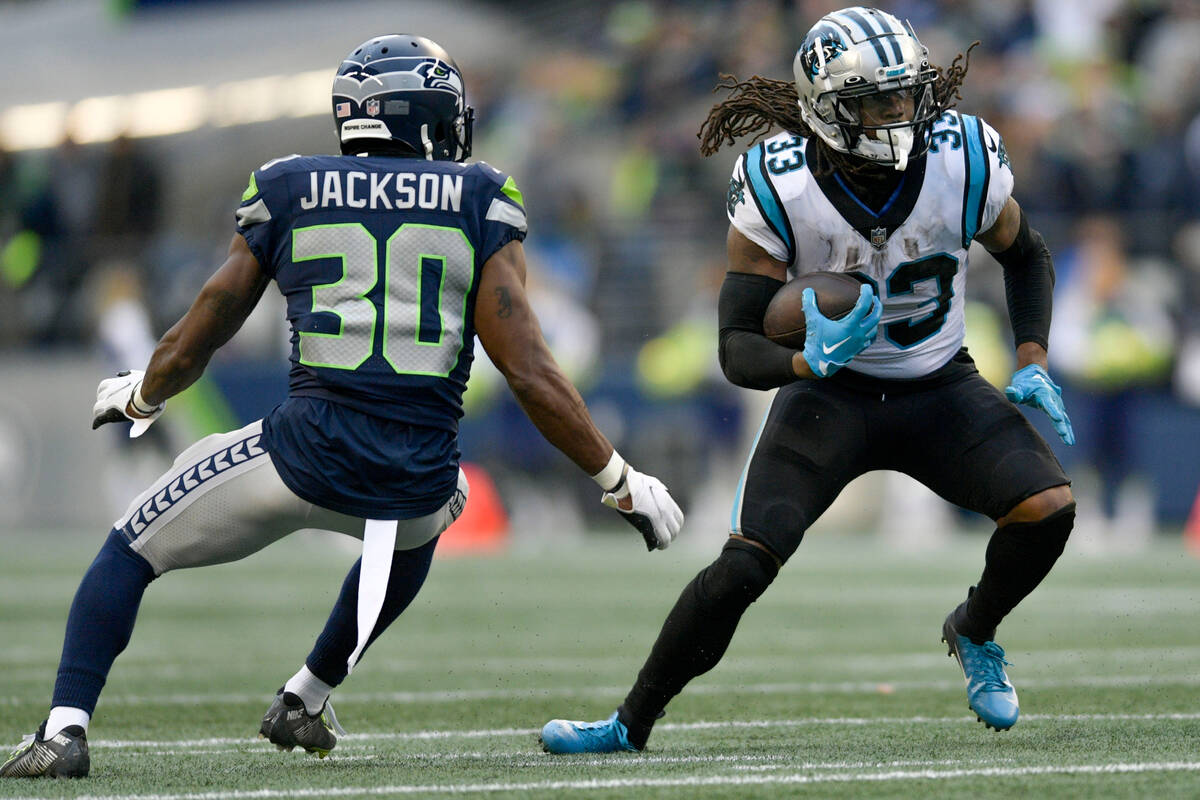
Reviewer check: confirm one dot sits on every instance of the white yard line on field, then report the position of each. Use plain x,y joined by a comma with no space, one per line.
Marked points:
692,781
102,744
527,759
461,695
29,664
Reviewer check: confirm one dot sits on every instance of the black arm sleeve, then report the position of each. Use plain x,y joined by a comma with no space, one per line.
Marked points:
748,358
1028,285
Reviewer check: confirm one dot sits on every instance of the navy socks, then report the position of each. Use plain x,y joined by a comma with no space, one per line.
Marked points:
335,644
100,622
106,604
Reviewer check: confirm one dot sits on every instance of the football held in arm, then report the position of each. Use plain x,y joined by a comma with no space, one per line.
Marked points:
852,210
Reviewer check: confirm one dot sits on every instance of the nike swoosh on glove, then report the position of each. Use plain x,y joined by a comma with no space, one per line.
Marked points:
1031,386
655,513
829,344
113,396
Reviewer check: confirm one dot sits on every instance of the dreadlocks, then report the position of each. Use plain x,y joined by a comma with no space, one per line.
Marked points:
759,104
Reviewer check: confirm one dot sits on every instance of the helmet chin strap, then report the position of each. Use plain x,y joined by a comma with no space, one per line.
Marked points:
902,142
427,142
897,143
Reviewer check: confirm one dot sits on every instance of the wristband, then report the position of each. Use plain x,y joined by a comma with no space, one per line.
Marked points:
613,475
139,403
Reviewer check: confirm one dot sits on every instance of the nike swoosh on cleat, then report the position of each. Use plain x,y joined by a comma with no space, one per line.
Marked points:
829,348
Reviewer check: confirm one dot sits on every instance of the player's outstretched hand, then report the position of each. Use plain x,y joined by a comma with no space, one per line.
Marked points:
1031,386
115,395
650,508
829,344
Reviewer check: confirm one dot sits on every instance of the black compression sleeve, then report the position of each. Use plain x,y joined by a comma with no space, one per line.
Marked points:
1028,285
747,357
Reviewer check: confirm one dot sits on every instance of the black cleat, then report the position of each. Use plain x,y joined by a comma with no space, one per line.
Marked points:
63,755
287,724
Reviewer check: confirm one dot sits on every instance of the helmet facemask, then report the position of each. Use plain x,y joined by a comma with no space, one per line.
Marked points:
878,137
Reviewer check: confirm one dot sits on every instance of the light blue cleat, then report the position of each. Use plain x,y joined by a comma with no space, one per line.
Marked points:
989,693
563,736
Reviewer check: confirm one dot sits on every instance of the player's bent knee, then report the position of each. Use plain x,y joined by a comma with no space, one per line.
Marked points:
117,547
1038,507
740,574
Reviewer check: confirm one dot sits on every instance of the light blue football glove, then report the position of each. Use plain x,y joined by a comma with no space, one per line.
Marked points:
1031,386
830,344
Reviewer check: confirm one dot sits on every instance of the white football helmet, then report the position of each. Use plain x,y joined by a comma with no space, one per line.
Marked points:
855,54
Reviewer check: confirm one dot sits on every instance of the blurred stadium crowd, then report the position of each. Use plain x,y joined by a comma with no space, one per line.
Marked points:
1098,101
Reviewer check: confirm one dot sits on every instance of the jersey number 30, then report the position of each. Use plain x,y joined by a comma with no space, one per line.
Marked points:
427,275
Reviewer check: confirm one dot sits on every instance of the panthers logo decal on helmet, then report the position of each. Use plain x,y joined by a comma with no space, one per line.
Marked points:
819,48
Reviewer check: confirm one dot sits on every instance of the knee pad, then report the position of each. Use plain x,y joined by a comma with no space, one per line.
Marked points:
739,576
1046,536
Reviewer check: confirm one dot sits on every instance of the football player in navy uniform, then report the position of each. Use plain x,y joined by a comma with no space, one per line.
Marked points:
872,174
392,257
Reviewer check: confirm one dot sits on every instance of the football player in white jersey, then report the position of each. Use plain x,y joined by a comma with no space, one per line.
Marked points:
874,174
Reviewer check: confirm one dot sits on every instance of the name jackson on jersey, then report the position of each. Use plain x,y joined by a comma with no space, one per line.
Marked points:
383,191
913,249
378,259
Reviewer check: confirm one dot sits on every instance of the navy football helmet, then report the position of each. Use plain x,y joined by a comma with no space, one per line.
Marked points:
406,89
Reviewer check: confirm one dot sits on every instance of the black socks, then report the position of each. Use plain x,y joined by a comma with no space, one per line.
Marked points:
697,632
1019,556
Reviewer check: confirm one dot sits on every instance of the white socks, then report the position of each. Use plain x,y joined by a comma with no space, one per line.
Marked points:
62,716
309,688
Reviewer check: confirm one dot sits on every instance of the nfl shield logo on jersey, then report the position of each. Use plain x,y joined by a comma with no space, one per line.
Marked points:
372,108
878,238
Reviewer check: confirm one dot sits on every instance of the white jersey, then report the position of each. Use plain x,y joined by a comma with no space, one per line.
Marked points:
913,250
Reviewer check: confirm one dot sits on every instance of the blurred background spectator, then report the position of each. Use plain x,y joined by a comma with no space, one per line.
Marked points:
1114,340
128,157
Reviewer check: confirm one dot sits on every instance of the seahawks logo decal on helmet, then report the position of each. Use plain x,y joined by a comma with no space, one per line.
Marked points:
404,74
438,76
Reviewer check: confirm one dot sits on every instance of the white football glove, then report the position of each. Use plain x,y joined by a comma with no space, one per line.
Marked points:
114,395
655,514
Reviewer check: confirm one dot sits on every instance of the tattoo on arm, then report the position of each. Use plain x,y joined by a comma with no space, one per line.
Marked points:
505,310
226,312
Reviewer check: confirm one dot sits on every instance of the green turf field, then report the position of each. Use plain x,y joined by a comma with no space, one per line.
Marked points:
836,685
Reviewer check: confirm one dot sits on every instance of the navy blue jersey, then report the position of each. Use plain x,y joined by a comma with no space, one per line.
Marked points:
379,260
